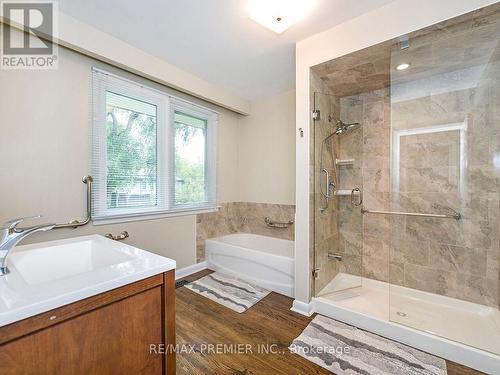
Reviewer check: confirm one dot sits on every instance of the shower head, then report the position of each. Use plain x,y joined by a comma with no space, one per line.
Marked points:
342,127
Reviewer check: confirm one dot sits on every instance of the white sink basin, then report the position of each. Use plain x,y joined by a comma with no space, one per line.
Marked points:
65,260
47,275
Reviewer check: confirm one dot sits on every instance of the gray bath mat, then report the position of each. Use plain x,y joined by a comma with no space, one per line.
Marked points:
236,294
344,349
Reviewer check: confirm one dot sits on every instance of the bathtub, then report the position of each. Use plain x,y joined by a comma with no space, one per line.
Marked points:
265,261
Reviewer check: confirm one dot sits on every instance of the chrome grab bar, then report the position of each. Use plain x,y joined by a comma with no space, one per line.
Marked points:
77,223
277,224
327,184
456,215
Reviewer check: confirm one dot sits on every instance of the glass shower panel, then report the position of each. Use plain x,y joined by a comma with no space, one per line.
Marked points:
337,225
445,158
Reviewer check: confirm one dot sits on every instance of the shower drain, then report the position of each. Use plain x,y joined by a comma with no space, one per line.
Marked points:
402,314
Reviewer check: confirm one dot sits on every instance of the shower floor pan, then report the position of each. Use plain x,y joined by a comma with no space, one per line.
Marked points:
456,330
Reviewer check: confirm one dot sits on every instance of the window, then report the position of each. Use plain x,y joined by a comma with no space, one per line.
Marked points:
153,154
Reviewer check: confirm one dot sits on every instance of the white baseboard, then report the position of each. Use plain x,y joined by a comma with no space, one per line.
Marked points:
303,308
189,270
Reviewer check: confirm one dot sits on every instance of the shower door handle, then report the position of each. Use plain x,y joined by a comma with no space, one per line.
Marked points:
327,184
353,196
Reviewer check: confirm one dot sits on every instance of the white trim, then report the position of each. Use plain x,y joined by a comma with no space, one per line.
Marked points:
461,127
211,118
101,84
147,216
159,92
189,270
166,106
302,308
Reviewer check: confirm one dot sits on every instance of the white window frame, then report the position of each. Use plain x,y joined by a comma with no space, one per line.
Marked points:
165,144
210,117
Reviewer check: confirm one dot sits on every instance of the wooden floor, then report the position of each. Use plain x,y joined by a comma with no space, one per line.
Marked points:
201,321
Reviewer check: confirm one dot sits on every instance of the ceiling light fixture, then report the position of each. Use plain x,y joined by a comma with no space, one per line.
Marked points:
278,15
403,66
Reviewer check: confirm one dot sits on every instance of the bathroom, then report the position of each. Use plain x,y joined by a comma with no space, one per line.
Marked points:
344,168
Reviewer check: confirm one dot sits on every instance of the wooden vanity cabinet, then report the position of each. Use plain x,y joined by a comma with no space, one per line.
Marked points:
116,332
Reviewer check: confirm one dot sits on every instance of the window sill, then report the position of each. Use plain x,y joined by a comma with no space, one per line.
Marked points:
150,216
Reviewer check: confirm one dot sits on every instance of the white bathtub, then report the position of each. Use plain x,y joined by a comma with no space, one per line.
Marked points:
265,261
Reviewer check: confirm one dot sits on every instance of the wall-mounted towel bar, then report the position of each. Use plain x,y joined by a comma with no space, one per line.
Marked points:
77,223
455,215
277,224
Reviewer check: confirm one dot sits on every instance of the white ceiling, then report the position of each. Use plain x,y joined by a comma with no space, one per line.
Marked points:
214,39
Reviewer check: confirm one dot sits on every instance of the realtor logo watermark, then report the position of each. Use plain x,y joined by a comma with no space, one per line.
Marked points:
29,29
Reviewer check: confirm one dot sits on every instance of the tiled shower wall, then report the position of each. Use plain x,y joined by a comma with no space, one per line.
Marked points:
432,170
242,217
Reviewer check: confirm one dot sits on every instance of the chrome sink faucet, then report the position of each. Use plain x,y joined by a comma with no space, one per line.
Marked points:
12,235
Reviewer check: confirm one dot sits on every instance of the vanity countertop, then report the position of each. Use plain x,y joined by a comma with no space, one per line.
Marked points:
48,275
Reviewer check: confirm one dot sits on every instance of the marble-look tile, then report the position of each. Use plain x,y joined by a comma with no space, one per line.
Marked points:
430,280
446,231
376,180
375,258
396,273
377,201
475,289
430,150
412,252
458,259
351,243
351,249
483,179
493,264
432,179
379,225
454,258
351,264
349,178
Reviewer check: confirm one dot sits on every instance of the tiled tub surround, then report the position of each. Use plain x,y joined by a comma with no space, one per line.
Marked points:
242,217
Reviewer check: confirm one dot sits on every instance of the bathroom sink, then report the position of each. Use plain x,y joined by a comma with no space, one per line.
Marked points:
54,262
48,275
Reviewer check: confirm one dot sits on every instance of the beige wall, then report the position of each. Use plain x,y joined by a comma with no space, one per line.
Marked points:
266,151
45,147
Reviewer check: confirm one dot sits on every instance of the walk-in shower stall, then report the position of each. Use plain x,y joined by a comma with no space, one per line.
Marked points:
407,185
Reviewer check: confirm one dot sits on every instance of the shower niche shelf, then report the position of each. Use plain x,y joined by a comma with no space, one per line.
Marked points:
344,162
343,192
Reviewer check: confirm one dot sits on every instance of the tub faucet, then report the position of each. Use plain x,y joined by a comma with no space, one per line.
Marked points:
12,235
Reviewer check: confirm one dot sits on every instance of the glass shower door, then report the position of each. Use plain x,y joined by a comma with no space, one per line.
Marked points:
337,225
445,131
